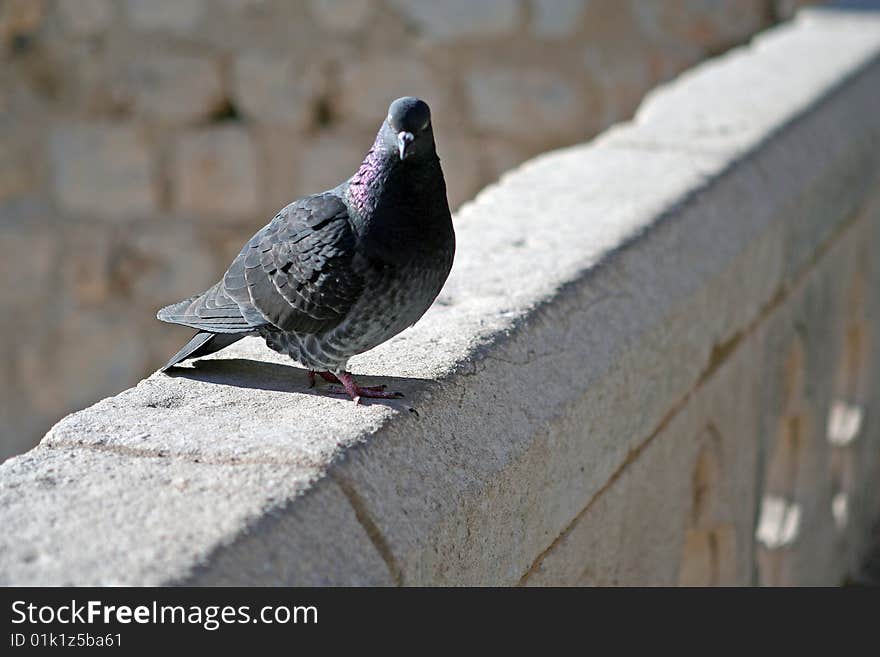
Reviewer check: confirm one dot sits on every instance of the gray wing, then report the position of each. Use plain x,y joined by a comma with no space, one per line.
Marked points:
213,311
301,272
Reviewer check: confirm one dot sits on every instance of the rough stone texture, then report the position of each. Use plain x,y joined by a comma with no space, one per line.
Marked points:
669,386
176,87
553,19
750,437
369,84
132,118
103,169
18,17
172,15
461,18
330,158
700,21
513,101
86,17
211,160
346,16
277,87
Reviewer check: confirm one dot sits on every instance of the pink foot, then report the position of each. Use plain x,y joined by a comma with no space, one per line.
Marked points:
347,386
327,376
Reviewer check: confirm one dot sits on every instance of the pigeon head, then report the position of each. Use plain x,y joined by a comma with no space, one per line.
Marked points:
408,129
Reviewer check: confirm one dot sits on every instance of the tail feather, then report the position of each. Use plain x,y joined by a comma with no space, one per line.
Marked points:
202,344
213,311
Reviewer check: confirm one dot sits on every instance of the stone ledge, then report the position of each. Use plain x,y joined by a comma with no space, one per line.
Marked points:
595,290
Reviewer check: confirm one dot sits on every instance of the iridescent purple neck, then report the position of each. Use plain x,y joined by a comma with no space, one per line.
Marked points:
365,186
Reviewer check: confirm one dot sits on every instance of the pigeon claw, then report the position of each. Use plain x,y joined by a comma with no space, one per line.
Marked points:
327,376
344,385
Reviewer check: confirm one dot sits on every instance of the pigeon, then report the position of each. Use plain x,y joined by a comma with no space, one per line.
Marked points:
335,274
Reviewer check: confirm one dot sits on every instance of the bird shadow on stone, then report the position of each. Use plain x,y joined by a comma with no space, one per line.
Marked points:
278,377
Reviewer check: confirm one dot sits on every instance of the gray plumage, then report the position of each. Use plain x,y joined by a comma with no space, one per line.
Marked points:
338,273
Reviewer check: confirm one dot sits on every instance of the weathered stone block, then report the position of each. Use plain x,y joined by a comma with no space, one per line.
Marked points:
183,489
371,84
499,155
165,262
279,88
345,16
280,153
512,102
620,74
704,22
19,164
175,87
461,19
50,365
166,15
332,158
86,270
28,252
461,162
20,18
104,169
215,173
86,17
555,19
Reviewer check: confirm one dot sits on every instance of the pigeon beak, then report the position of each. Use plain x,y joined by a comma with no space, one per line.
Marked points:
404,139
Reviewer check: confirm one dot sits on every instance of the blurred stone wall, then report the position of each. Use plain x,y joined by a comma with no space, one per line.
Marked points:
142,141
